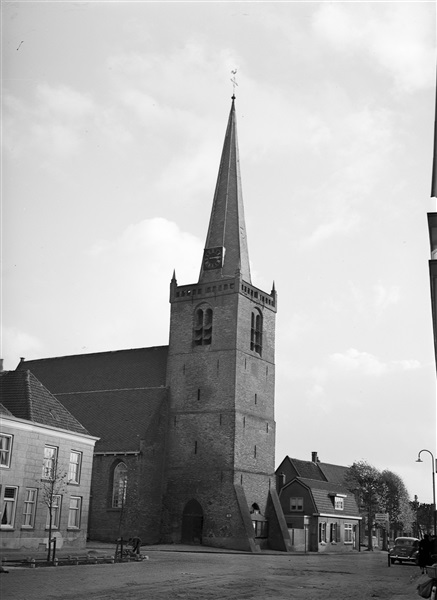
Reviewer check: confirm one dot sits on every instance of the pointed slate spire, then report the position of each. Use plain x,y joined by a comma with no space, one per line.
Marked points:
226,242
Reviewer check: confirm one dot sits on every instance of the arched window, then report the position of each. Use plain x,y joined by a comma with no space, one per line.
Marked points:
203,326
119,485
256,332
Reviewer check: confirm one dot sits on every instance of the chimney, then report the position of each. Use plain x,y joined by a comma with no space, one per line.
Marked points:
314,457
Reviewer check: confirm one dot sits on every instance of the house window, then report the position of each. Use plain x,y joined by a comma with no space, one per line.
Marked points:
119,485
29,507
334,532
56,512
74,512
256,332
49,463
5,450
203,326
348,533
338,503
322,532
8,507
74,467
296,504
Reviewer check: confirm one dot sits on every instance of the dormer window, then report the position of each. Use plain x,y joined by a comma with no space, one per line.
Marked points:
203,326
256,332
338,500
339,503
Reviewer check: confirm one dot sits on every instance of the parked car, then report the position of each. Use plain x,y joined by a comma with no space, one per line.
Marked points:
406,549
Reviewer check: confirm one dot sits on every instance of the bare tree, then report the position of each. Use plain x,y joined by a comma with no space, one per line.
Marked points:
53,484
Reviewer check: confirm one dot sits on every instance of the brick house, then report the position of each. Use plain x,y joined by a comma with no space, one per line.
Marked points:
187,431
40,441
320,512
122,396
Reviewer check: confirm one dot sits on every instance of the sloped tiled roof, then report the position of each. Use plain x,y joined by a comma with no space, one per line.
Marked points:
324,503
120,419
4,410
26,398
121,369
308,469
334,473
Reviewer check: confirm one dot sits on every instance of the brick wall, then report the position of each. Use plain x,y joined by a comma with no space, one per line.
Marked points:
221,428
25,471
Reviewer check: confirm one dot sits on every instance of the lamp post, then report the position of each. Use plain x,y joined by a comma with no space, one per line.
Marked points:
434,468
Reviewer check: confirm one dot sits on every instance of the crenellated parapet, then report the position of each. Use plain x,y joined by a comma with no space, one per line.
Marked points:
198,291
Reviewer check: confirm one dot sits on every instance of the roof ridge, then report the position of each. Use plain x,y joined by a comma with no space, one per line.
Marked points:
24,361
28,393
153,387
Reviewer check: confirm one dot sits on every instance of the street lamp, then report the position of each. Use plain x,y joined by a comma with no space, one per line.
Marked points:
434,468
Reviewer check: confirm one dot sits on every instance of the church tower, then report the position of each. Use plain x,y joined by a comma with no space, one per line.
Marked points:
221,379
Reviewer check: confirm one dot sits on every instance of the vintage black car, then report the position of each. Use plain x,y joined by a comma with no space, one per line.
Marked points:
406,549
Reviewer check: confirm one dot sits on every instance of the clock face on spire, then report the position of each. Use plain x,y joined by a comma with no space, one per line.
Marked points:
212,258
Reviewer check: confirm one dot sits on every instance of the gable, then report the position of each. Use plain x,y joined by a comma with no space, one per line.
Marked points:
26,398
323,493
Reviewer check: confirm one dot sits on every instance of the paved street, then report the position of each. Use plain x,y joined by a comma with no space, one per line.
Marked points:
219,576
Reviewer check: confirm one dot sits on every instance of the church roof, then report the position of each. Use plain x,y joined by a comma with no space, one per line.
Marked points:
227,227
116,395
121,418
121,369
25,397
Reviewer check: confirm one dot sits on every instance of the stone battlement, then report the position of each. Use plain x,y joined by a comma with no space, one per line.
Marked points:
198,291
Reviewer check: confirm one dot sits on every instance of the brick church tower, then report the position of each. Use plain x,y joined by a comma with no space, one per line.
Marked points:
221,379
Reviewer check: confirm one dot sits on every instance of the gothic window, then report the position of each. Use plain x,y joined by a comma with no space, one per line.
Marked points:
203,326
256,332
119,485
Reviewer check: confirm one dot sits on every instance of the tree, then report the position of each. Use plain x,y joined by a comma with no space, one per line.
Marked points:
52,485
395,502
424,517
364,481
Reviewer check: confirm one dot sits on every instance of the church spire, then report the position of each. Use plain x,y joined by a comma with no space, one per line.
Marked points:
226,243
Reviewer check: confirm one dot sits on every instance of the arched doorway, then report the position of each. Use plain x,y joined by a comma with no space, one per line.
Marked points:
192,522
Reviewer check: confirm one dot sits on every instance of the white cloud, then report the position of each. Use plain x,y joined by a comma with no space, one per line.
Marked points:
345,225
63,101
364,363
398,36
384,296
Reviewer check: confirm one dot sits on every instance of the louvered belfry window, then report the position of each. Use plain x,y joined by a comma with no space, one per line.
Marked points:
203,326
256,332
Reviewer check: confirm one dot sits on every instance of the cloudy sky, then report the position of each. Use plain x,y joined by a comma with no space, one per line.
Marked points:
113,121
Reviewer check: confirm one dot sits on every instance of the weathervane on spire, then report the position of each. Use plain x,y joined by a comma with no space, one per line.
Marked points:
234,82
